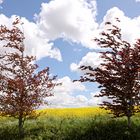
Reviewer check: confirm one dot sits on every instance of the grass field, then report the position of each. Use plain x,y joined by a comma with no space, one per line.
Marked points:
72,124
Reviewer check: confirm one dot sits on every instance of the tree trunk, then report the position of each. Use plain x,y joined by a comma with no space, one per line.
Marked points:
20,127
129,121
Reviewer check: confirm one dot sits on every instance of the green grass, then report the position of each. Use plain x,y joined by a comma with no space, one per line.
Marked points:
92,127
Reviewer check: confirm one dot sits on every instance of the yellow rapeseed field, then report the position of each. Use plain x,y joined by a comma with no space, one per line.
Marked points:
73,112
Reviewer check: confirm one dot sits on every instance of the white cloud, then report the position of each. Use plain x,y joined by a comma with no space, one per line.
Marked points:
61,100
95,101
68,86
41,47
73,20
1,1
70,20
55,17
90,59
64,95
137,0
81,98
130,27
34,43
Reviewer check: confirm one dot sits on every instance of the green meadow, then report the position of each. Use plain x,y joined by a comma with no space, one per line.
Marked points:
72,124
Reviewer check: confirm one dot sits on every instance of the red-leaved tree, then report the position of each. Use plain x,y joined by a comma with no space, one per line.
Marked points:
117,75
22,88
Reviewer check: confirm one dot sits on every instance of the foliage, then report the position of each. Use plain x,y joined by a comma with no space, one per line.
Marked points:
117,75
22,87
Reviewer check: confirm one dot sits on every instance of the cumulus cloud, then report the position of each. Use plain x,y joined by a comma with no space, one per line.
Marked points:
70,20
64,95
66,100
40,47
137,0
67,95
90,59
55,17
81,98
130,27
75,21
1,1
95,101
68,86
34,43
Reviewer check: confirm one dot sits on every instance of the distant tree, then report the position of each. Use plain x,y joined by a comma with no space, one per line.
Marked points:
118,74
22,88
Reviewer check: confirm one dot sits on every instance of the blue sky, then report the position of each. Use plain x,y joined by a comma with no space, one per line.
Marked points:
59,32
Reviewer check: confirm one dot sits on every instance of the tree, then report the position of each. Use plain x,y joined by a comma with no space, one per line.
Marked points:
22,88
117,75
